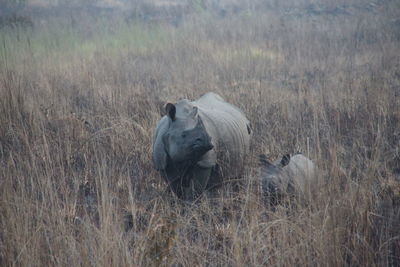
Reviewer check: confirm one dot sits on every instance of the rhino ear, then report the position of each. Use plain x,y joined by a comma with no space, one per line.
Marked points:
159,155
170,110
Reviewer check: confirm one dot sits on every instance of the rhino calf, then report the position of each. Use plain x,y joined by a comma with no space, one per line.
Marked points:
194,138
290,176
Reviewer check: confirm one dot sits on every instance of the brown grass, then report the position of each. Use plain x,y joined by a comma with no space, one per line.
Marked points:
77,186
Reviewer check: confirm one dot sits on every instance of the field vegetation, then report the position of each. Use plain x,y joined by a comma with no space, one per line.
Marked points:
81,94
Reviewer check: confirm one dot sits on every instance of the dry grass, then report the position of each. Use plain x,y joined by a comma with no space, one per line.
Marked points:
77,110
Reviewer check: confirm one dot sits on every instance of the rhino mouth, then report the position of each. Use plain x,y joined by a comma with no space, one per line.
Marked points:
198,150
204,148
195,154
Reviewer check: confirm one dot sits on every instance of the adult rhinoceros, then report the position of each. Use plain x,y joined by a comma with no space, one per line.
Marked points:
194,139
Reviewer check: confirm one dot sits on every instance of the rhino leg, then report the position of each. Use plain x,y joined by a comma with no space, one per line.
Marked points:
177,177
177,185
198,183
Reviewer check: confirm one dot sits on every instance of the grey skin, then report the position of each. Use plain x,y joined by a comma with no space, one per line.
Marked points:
196,143
292,176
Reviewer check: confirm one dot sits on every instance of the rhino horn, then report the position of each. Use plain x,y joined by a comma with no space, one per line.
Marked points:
193,113
200,123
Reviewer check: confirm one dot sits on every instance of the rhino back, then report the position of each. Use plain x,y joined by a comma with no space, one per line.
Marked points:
228,128
214,102
301,170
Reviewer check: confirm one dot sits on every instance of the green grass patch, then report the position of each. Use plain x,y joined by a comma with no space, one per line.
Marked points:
32,46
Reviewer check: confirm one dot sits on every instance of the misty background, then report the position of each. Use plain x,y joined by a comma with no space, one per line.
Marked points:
77,13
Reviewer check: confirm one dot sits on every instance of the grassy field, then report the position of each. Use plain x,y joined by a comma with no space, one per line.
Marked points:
79,102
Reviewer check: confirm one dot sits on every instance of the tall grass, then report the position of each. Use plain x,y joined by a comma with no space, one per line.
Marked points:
77,111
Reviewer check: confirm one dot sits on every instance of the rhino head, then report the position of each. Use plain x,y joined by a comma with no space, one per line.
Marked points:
271,174
291,176
184,138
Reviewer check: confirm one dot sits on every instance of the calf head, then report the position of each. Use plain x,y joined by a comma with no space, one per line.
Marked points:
271,174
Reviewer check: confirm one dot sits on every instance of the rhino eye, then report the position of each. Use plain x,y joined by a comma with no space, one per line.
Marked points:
183,135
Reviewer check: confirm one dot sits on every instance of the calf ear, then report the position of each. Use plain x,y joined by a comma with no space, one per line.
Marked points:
249,128
170,110
285,160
